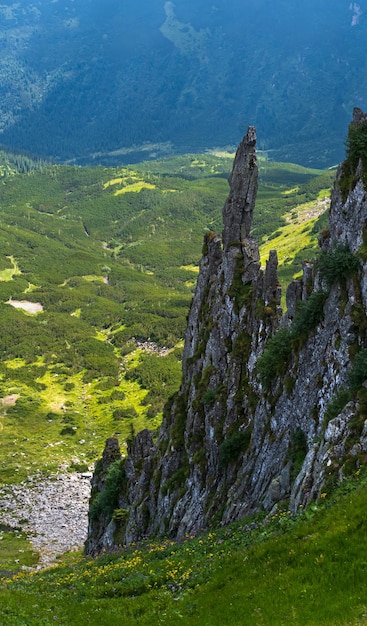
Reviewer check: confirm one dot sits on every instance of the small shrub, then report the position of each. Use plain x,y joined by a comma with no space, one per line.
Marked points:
177,480
121,518
337,404
275,357
308,315
120,515
337,264
238,291
126,413
69,386
297,451
358,374
356,149
289,384
242,346
232,446
356,143
51,416
178,427
209,396
68,430
106,500
78,467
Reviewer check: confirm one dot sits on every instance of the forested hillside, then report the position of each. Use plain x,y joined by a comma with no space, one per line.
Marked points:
112,82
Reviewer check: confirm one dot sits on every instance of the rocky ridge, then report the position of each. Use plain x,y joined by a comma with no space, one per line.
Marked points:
254,423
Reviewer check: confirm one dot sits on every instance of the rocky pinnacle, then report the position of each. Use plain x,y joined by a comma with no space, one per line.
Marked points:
228,441
239,207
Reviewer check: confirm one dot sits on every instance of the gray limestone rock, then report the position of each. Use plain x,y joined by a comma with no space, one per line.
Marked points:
227,446
243,181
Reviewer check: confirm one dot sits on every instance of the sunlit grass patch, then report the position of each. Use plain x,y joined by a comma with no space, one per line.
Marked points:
134,188
222,153
31,287
190,268
53,393
126,175
14,364
324,193
8,274
198,163
16,551
297,238
289,192
93,278
113,181
289,241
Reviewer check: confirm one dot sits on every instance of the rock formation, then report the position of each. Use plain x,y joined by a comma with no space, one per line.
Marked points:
254,422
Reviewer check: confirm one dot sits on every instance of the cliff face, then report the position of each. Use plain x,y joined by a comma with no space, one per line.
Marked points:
253,423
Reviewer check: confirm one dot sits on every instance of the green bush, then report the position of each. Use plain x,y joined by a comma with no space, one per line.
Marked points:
358,374
177,480
238,291
106,501
274,359
120,515
356,148
337,264
356,143
209,396
297,451
232,446
309,314
68,430
337,404
128,412
356,377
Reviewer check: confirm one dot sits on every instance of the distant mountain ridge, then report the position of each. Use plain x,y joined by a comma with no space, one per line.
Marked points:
96,77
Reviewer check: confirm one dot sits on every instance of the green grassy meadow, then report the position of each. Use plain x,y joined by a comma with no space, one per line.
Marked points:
306,571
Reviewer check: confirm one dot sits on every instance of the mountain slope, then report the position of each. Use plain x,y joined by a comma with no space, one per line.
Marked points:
261,417
304,571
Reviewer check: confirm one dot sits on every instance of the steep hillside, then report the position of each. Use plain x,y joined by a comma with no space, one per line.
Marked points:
263,571
271,407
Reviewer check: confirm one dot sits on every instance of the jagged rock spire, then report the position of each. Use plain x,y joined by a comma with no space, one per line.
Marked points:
229,444
239,207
